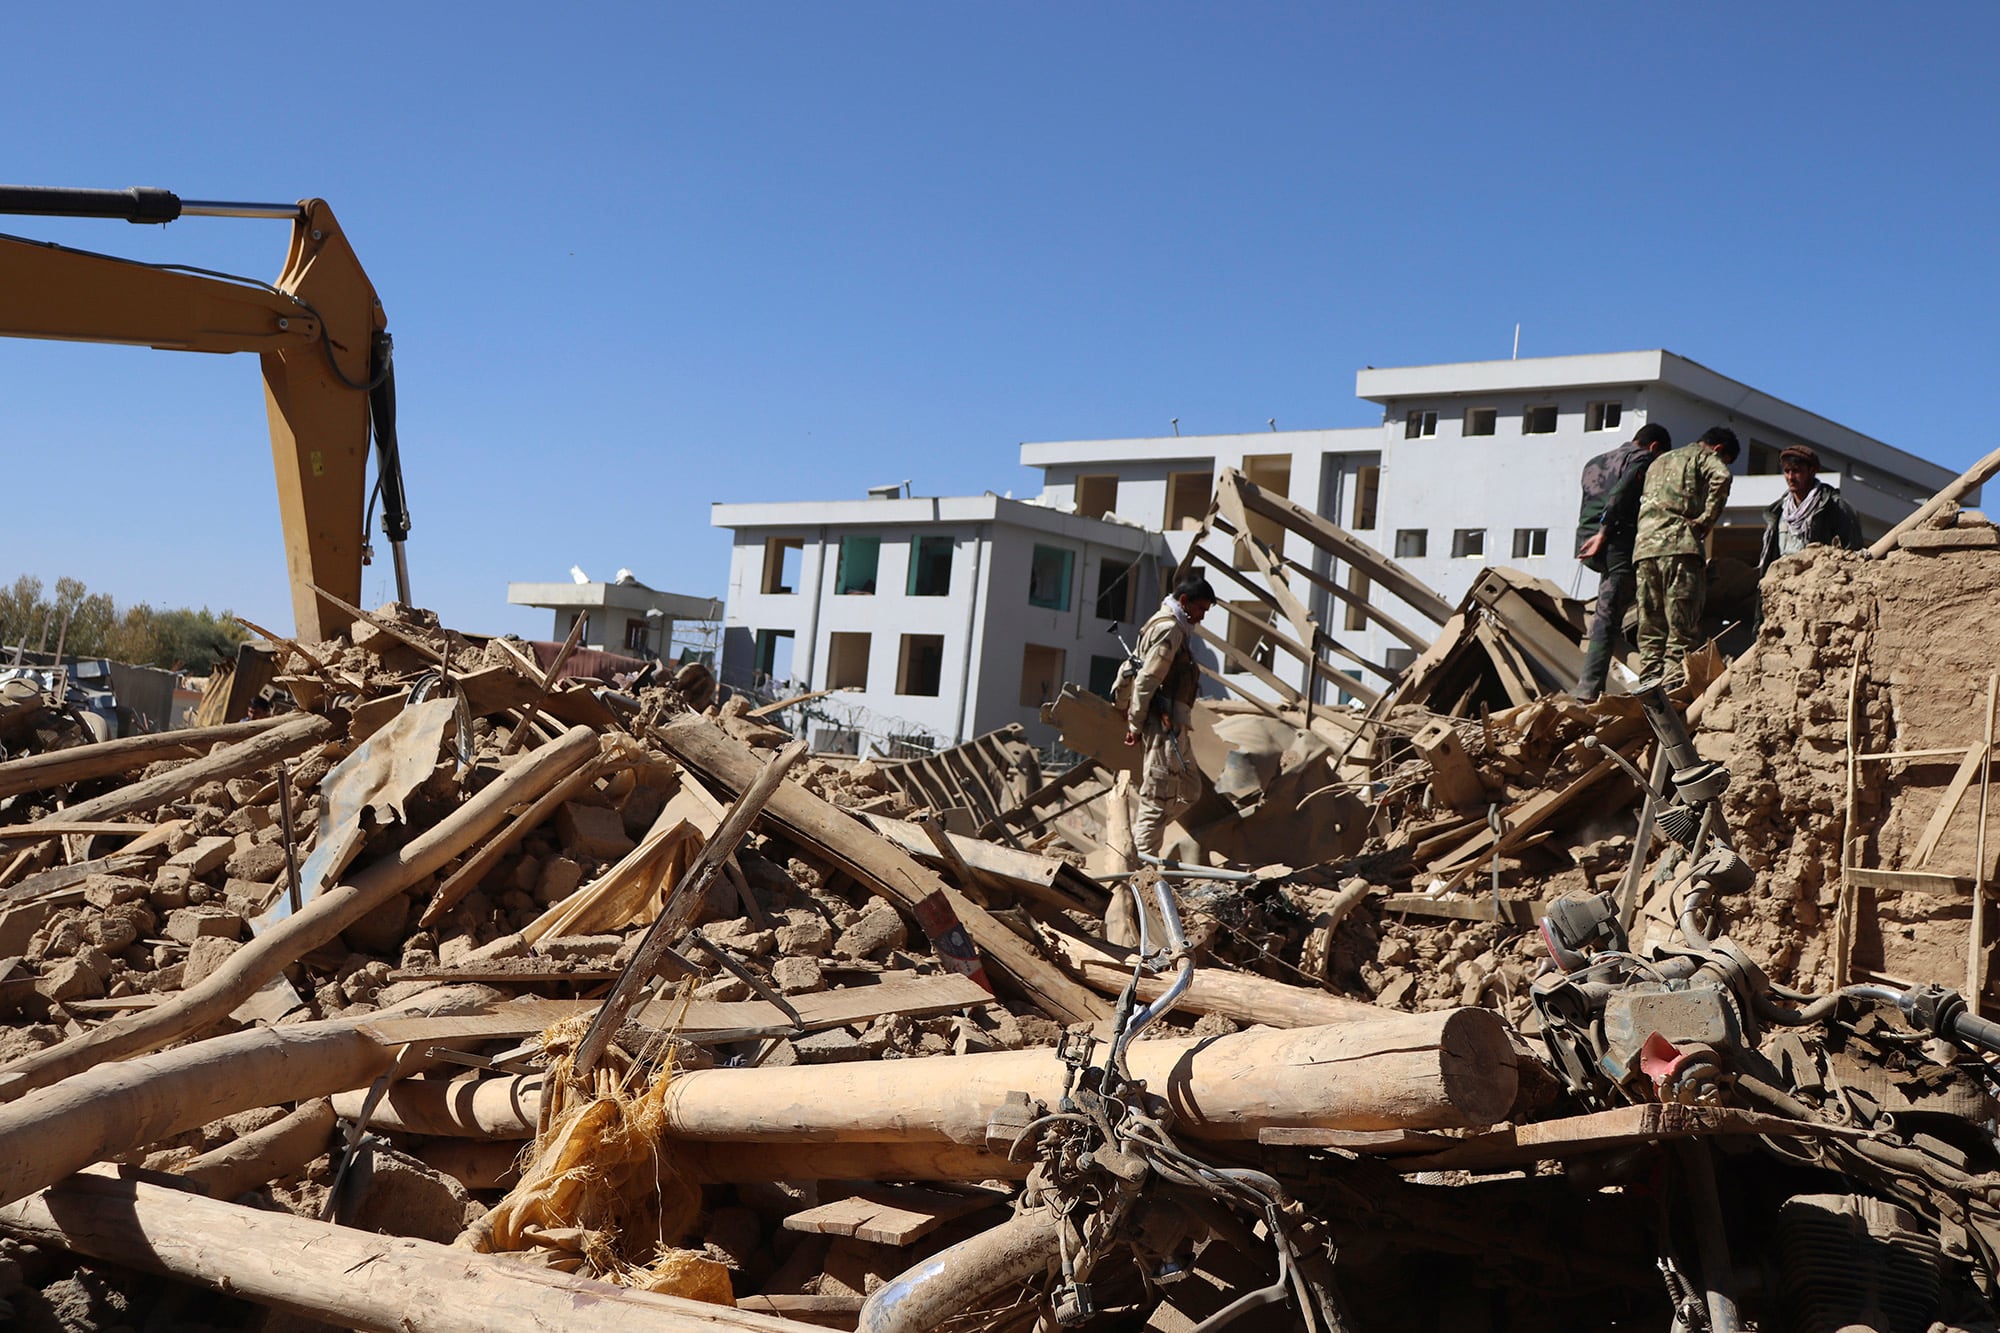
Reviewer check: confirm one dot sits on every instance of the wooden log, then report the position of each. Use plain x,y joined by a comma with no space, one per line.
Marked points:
882,867
493,1163
1242,996
332,911
38,772
1966,481
257,751
264,1155
353,1279
117,1107
1975,959
1389,1070
474,1108
480,864
1451,1068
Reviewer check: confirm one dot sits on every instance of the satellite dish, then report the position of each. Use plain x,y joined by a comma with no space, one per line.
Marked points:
576,574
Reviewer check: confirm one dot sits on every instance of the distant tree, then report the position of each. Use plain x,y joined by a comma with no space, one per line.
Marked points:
180,639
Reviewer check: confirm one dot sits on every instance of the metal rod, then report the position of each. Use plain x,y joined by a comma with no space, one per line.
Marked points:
402,574
220,208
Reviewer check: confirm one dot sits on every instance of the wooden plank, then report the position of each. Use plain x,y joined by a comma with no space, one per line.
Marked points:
893,1214
1954,792
1462,909
1975,962
1333,587
1909,881
1044,878
1307,626
1603,1131
1373,1142
1244,661
1525,818
881,866
80,827
37,772
1528,629
922,997
1518,684
1295,517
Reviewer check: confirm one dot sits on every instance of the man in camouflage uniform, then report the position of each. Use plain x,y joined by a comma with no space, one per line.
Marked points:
1605,526
1684,493
1161,709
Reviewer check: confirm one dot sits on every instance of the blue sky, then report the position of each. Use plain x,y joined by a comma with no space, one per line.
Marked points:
642,257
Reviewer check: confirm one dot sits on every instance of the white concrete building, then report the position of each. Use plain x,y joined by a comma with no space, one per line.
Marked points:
1478,463
944,617
625,616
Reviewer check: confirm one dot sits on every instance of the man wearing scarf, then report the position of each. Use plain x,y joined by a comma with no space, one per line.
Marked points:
1809,513
1161,710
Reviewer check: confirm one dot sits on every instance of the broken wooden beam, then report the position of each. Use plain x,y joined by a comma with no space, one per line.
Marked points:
251,754
883,867
59,768
1243,997
1451,1068
335,909
116,1107
354,1279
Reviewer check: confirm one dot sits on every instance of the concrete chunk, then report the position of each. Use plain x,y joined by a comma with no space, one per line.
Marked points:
185,925
203,855
593,831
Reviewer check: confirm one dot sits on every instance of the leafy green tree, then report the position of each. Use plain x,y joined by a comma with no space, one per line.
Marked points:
180,638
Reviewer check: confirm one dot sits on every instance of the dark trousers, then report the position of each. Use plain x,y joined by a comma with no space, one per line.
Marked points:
1616,588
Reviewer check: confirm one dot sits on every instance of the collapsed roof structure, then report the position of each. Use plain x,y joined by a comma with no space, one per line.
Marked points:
473,997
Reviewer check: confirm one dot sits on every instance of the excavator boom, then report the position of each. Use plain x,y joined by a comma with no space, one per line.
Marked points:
319,331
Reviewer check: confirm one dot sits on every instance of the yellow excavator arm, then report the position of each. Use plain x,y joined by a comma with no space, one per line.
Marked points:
319,330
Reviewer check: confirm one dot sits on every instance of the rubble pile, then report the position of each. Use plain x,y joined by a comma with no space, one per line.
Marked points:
545,1002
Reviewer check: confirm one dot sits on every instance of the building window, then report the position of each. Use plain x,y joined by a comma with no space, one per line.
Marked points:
1188,495
1367,492
1530,542
858,558
1114,590
1411,543
1468,543
1420,425
920,666
781,563
1357,610
1096,496
1602,416
847,660
1397,659
1041,674
1763,460
1539,420
635,636
930,566
1481,420
774,656
1049,577
1104,675
1248,626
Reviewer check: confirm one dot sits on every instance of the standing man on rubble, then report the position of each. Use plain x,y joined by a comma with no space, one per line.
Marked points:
1606,525
1809,513
1160,710
1684,493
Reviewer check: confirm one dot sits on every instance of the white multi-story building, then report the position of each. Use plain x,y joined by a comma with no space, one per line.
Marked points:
955,616
937,618
1478,463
